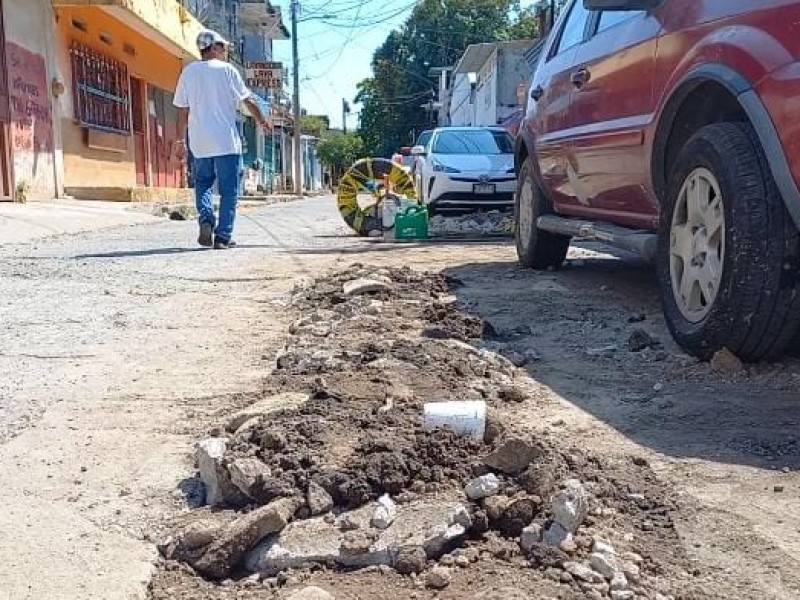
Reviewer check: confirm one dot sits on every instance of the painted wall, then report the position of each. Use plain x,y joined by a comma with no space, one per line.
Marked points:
34,140
462,110
486,92
513,70
149,61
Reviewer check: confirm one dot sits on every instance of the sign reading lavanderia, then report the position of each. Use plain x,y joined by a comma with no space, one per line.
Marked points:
265,75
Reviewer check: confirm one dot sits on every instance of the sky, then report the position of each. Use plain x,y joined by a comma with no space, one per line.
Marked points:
336,41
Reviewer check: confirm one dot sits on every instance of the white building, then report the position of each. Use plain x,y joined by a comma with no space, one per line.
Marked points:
485,83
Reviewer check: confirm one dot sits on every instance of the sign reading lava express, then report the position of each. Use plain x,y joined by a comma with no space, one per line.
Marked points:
267,75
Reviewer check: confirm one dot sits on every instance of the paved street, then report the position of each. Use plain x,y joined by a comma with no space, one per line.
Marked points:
112,340
122,347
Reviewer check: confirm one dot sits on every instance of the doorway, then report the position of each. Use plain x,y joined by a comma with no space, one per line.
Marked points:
6,188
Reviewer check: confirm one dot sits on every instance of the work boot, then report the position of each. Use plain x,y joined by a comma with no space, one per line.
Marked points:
206,237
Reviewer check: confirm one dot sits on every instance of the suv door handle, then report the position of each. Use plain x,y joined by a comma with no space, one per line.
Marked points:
580,78
537,93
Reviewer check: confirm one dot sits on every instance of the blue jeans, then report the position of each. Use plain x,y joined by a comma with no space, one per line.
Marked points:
225,171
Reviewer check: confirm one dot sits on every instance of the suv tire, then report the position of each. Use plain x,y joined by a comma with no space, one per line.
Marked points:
536,249
728,251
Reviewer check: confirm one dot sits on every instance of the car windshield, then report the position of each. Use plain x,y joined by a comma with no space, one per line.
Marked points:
424,138
473,141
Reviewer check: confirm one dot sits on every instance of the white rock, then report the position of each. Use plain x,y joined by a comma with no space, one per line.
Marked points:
571,505
385,513
555,535
438,578
482,487
583,572
622,595
603,564
358,287
602,546
619,581
311,593
631,571
530,536
209,454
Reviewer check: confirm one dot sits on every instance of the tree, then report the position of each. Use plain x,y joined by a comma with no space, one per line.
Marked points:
339,150
314,125
435,35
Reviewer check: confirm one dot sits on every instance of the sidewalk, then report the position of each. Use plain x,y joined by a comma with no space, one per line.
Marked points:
26,222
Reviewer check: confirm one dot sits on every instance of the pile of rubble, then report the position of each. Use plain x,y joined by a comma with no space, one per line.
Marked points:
336,468
494,222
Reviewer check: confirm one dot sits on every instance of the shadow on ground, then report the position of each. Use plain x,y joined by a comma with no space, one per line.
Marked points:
580,319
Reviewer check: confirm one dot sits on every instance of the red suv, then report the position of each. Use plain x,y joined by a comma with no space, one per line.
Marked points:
672,128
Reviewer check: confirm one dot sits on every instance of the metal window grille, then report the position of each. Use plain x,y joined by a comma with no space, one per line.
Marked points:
101,89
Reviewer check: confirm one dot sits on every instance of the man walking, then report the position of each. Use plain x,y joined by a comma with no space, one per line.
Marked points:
207,98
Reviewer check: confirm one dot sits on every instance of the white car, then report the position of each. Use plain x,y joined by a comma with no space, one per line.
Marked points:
467,168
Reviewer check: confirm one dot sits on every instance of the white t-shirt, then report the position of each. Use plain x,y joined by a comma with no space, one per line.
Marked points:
212,91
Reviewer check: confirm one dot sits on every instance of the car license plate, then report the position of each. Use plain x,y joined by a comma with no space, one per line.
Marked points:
483,188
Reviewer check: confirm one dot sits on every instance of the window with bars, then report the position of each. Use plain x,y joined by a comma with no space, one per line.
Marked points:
101,90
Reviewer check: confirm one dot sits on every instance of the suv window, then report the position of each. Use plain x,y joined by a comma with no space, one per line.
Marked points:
574,27
610,18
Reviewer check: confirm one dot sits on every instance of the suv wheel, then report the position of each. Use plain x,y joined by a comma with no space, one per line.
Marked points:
536,249
728,250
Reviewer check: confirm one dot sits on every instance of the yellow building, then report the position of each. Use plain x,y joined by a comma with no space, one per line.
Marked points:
119,62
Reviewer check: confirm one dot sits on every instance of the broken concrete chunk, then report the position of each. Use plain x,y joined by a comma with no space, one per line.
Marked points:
622,595
631,571
530,536
230,547
602,546
220,490
482,487
358,287
266,406
438,578
311,593
571,505
555,535
583,572
319,501
495,506
248,474
410,559
512,457
433,527
619,581
603,564
385,512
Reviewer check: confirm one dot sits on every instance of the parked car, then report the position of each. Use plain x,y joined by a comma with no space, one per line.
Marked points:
467,168
670,127
421,146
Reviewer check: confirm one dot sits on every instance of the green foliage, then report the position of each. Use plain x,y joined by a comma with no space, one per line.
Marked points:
340,150
314,125
435,35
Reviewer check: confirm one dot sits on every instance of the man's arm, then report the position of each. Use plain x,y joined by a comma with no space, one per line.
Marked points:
180,140
255,110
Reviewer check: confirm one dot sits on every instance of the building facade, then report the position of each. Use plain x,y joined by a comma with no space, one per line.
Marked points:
86,89
486,82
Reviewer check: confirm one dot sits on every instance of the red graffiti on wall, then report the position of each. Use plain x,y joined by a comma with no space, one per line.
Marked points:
31,116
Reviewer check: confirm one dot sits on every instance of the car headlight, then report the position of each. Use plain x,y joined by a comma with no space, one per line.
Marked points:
440,168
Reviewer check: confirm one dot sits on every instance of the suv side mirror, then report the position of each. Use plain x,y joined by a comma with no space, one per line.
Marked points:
418,151
620,4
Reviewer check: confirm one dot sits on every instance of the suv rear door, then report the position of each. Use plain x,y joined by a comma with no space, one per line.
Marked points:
548,106
611,105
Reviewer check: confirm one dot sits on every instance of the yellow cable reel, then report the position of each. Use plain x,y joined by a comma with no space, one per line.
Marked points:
379,177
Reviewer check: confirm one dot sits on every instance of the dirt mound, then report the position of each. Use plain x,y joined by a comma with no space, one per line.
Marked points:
368,364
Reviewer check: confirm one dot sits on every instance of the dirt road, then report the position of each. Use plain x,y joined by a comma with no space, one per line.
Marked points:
122,348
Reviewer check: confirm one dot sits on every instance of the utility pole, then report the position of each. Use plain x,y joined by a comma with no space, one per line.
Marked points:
345,112
297,183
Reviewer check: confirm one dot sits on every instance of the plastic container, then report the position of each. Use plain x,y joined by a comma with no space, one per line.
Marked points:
463,417
411,224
